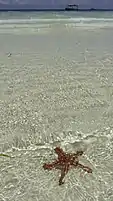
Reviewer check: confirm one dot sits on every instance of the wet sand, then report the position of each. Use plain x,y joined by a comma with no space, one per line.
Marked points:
56,89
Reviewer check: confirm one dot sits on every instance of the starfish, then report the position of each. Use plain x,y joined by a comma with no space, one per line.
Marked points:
64,162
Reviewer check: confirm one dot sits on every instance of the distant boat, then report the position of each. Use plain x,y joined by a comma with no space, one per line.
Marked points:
71,7
92,9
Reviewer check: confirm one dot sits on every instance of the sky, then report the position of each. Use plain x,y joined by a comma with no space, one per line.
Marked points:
59,3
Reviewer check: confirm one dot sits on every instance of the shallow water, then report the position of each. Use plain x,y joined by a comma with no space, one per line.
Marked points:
56,89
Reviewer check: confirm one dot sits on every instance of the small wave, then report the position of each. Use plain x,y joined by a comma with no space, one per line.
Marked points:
89,25
43,20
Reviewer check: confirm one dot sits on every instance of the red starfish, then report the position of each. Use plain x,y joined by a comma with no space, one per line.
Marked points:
66,161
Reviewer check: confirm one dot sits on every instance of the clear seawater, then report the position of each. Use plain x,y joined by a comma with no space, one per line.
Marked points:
40,17
56,89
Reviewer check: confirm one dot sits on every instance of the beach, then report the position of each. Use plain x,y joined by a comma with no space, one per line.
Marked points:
56,89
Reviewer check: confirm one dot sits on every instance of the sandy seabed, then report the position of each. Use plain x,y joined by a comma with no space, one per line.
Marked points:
56,89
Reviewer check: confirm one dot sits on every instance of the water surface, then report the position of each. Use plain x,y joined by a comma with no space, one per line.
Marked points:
56,89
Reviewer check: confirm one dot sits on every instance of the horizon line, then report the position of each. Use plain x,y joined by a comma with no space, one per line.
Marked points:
73,10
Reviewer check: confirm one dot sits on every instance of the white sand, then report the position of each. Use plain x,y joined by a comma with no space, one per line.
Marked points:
54,83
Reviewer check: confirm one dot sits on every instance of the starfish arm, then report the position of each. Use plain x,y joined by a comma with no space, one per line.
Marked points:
62,177
85,168
64,171
79,153
50,166
61,154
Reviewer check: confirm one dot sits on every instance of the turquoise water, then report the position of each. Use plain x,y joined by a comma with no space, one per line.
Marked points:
75,16
41,20
60,14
